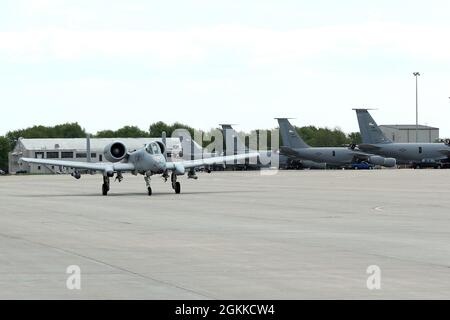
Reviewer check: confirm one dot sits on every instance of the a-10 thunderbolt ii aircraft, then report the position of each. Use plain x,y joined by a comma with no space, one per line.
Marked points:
295,147
148,161
417,154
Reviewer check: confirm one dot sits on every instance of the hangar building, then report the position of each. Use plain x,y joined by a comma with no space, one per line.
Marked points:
407,133
74,150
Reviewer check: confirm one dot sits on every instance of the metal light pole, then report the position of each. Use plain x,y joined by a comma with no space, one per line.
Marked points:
417,74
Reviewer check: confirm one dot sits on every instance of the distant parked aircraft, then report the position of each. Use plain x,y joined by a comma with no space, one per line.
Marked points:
417,154
294,146
232,140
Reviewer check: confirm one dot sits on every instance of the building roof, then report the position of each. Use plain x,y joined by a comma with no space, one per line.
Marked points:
96,143
408,127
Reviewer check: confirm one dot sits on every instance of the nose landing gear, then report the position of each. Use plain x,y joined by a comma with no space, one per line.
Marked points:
192,174
147,182
119,177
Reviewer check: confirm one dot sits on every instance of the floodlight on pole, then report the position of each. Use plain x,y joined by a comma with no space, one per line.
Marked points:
417,74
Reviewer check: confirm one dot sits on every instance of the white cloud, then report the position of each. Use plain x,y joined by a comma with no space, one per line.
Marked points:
255,46
292,82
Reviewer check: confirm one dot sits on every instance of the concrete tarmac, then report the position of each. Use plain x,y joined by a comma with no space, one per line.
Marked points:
229,235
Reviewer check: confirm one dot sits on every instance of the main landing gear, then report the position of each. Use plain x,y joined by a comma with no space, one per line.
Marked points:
173,178
175,184
105,187
106,182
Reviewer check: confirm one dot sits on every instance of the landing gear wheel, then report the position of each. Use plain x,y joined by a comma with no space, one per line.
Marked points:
177,187
149,191
105,186
105,189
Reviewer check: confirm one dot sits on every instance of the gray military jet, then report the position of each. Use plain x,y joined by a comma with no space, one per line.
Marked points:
294,146
416,154
234,145
233,142
147,161
190,148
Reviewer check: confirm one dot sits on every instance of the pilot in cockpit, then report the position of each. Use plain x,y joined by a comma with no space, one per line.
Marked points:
153,148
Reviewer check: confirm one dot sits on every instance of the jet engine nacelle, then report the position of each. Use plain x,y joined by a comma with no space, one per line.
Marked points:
179,169
390,162
381,161
114,152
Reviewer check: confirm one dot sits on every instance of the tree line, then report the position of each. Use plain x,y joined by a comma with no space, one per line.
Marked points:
316,137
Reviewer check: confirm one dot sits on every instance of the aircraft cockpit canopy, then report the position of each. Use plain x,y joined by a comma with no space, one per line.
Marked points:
153,148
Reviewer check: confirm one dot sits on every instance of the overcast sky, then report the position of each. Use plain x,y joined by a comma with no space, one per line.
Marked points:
109,63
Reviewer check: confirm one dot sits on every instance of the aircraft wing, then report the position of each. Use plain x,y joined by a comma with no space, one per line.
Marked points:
369,147
362,155
119,166
210,161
